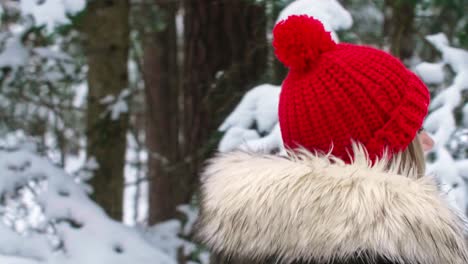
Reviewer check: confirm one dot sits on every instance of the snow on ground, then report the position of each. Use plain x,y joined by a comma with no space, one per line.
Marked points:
34,247
16,260
85,232
163,236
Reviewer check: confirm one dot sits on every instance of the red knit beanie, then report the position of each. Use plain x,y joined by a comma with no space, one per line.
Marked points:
335,94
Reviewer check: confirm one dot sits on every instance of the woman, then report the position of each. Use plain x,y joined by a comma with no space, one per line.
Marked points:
352,189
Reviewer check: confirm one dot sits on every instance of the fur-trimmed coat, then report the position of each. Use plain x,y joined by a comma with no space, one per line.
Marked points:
316,209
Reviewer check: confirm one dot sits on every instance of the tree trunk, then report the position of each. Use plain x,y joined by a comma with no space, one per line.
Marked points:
160,73
279,70
225,55
399,26
105,27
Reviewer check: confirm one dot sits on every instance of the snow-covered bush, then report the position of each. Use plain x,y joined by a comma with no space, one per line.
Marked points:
51,13
442,122
47,217
255,116
41,80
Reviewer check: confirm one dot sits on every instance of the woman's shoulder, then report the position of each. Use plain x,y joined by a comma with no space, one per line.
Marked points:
316,207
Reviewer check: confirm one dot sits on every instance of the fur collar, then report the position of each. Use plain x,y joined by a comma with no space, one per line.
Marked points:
306,206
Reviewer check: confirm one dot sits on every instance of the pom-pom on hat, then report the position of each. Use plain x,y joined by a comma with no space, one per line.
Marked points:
299,41
335,94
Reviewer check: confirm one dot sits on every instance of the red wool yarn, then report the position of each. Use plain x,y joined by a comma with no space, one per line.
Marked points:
300,40
335,94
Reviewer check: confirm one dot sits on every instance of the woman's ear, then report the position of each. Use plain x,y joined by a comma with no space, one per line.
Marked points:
426,141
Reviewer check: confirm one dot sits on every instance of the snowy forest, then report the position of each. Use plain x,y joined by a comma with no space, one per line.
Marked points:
110,108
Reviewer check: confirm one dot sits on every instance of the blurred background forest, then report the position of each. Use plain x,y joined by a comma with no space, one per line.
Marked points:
128,98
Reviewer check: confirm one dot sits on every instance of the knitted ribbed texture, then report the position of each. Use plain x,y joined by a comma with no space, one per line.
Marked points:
348,93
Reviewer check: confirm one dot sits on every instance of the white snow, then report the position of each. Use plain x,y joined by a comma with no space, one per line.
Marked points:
17,260
191,213
50,53
449,98
441,124
455,57
273,142
462,167
50,13
164,235
447,171
256,114
74,6
120,107
14,54
439,40
81,91
116,106
259,105
32,247
235,137
95,239
107,99
461,79
441,121
431,73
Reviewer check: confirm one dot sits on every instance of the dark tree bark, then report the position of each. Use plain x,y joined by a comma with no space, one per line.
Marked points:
225,51
225,55
105,27
279,70
160,73
399,26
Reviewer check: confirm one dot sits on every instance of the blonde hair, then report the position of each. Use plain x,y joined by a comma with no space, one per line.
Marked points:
412,158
